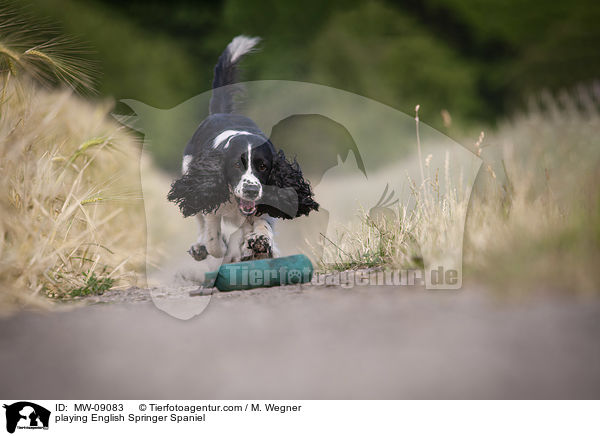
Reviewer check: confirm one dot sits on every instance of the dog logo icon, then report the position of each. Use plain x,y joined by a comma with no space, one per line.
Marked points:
26,415
383,210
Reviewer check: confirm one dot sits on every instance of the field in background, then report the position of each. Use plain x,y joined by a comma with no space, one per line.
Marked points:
535,219
534,215
71,211
71,215
72,219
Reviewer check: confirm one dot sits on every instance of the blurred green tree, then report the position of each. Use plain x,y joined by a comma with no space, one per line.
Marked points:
477,59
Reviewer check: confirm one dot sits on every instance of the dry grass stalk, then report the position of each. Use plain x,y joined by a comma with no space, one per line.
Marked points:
71,201
534,219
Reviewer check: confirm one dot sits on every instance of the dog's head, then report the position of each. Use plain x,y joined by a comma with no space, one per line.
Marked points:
247,167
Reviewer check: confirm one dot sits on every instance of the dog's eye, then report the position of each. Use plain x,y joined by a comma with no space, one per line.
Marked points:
238,164
261,167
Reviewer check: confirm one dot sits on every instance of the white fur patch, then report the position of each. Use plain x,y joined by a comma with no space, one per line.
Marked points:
248,178
240,45
226,136
185,164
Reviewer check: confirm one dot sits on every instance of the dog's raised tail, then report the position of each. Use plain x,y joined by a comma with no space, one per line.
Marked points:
222,100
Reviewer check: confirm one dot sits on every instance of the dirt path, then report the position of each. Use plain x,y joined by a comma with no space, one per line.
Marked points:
309,343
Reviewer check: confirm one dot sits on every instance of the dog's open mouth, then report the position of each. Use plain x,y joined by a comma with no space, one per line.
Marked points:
247,207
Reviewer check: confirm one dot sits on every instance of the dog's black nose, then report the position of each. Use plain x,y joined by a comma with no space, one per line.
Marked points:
251,191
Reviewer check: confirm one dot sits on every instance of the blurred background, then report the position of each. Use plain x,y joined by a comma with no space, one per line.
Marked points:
76,223
476,60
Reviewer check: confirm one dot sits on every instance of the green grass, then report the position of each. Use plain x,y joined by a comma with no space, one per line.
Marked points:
93,285
376,243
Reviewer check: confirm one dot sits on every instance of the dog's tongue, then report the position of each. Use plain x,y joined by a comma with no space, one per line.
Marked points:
247,205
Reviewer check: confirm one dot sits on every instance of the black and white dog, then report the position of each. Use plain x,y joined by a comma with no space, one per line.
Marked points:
231,172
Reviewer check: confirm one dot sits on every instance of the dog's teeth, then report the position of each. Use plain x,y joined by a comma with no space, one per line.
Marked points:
247,206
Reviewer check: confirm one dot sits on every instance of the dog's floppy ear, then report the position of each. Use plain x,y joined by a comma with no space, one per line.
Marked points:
203,188
292,195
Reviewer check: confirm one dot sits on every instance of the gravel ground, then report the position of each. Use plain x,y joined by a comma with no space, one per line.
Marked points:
306,342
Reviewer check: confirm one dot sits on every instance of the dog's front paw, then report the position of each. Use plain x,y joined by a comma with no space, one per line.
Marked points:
261,246
198,252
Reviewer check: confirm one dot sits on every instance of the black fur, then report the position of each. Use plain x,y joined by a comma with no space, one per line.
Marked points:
295,196
213,172
224,90
203,188
224,84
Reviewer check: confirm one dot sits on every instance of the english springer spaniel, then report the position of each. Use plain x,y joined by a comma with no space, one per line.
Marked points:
231,172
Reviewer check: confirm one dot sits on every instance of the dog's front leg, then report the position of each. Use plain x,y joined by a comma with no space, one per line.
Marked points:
260,240
213,238
238,245
198,250
210,240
